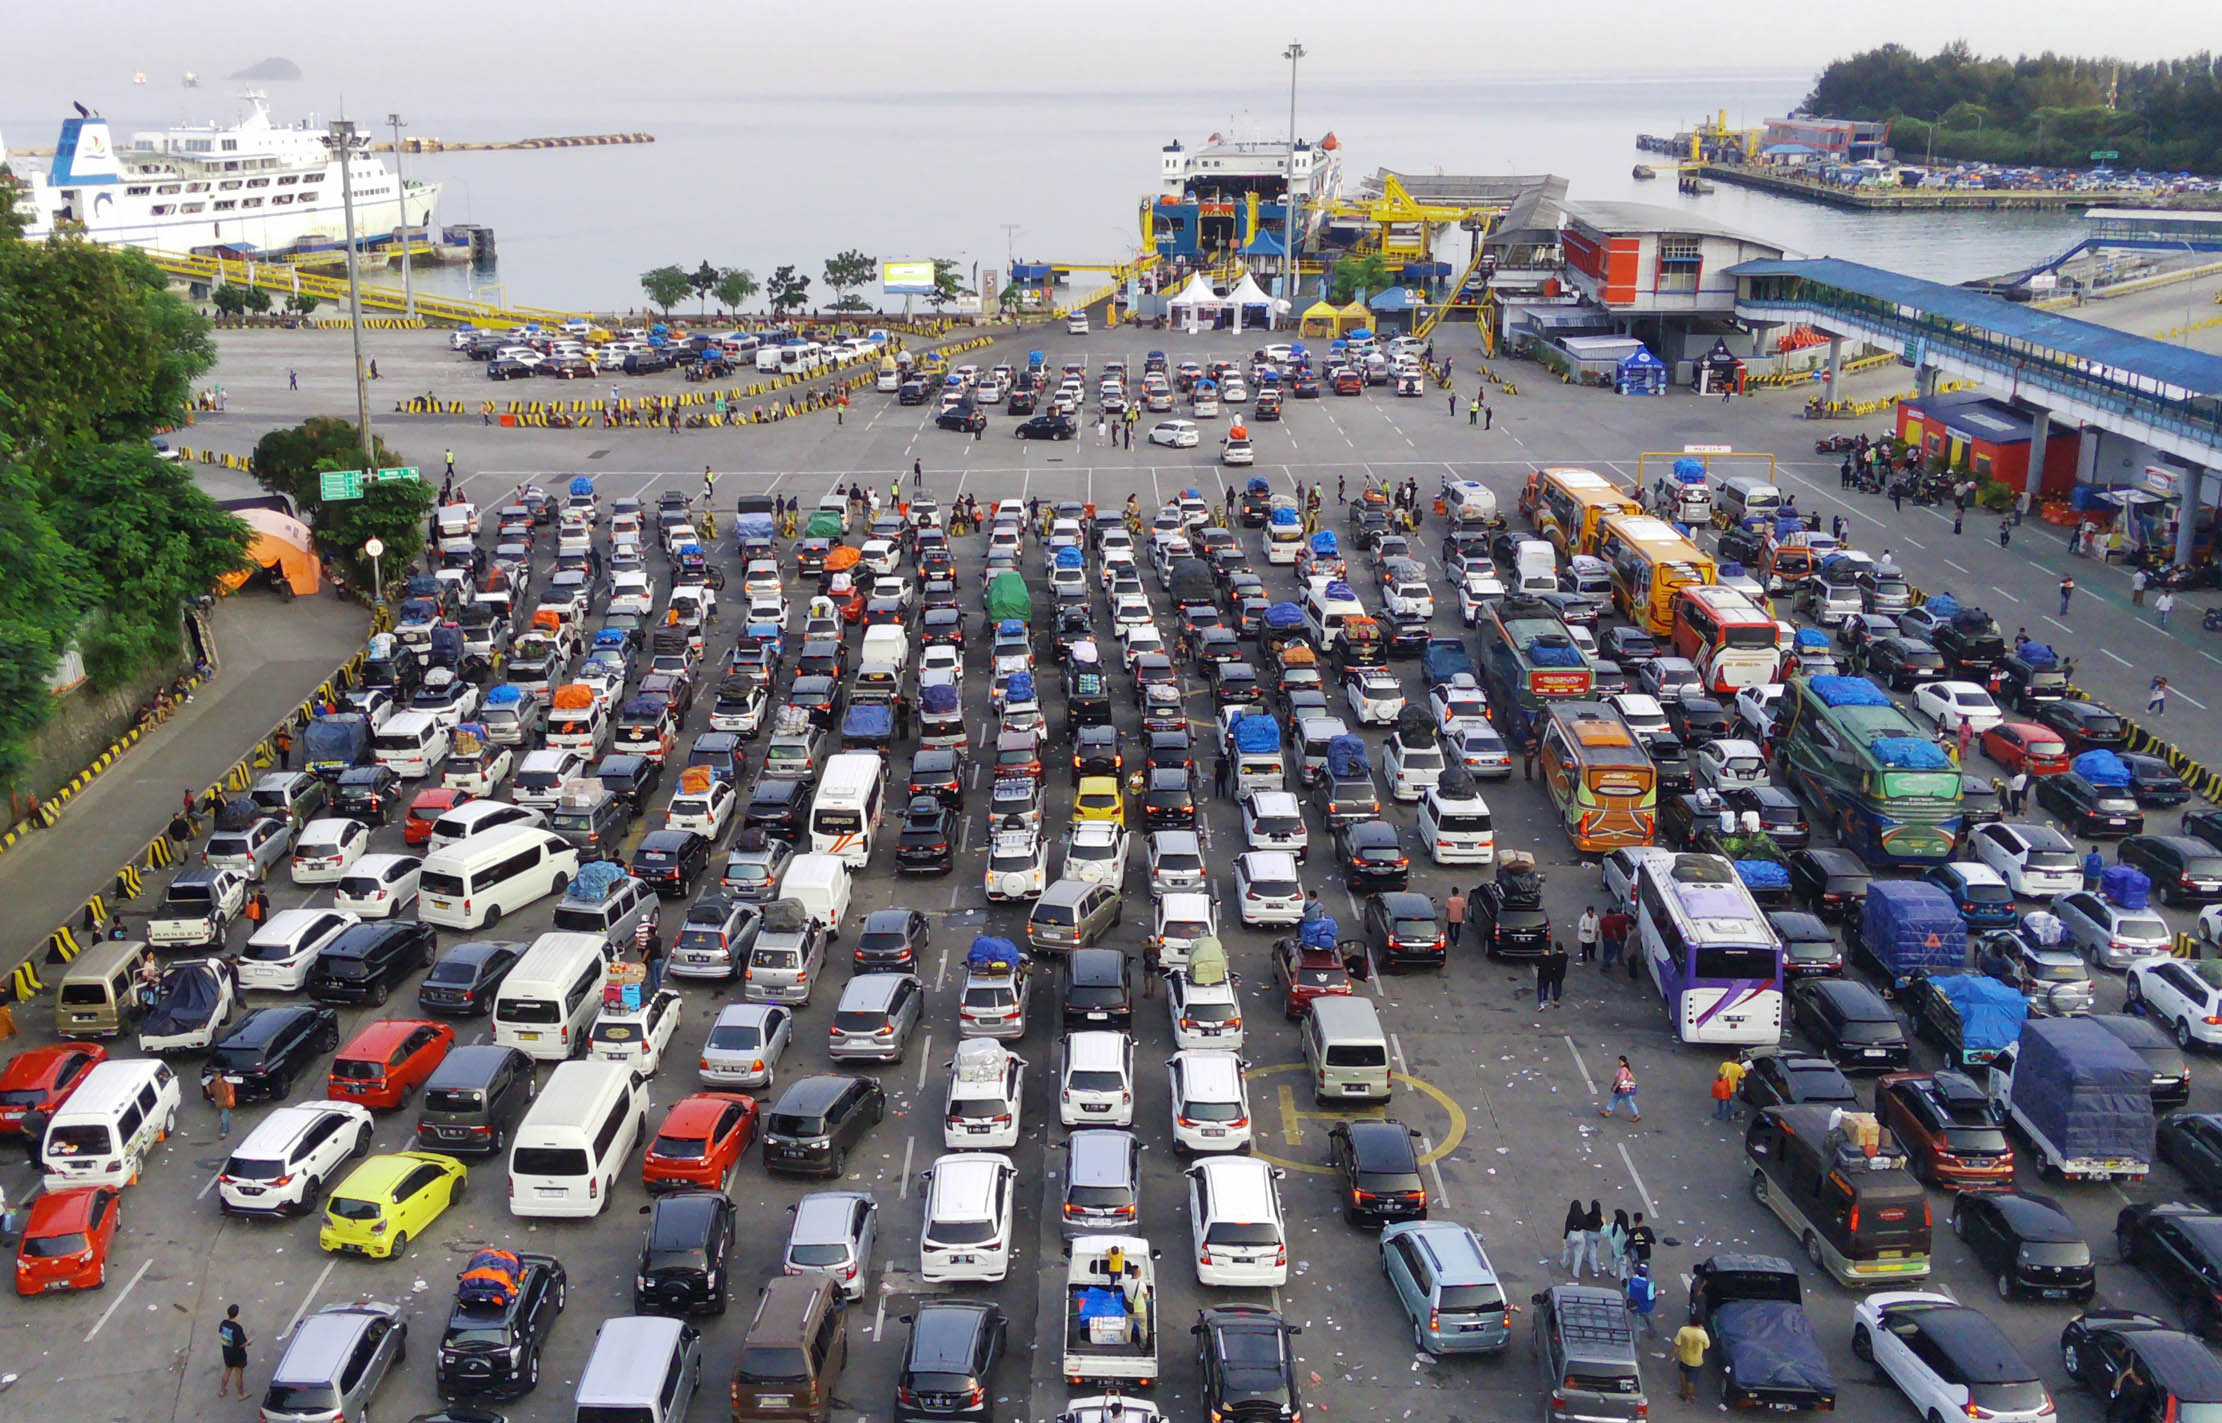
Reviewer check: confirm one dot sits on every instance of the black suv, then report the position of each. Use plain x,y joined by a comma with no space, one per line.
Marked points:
368,962
1850,1024
632,779
1508,915
1403,930
1903,662
1785,1079
2027,1245
1830,882
1098,989
950,1361
2179,1248
1696,718
1380,1171
775,806
1248,1370
2184,871
818,1121
2090,812
682,1266
924,845
937,771
462,984
1095,752
1969,643
269,1048
367,793
493,1350
670,861
2085,726
1372,859
1780,814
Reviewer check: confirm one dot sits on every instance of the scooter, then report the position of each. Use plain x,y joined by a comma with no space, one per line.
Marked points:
2212,620
1835,444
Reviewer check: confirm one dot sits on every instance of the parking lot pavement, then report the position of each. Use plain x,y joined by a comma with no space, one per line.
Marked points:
272,656
1505,1095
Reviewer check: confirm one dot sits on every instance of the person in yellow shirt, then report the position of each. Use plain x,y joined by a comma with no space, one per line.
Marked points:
1726,1082
1690,1343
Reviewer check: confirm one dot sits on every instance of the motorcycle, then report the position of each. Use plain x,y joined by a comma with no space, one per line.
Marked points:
1835,444
2211,620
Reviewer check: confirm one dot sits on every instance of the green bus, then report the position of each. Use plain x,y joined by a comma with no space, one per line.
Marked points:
1890,793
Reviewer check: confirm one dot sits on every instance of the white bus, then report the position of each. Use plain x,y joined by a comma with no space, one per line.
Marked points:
845,817
1710,950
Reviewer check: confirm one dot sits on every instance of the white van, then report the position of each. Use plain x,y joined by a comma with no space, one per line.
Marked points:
579,729
1534,567
801,359
102,1135
1346,1050
547,1005
411,744
845,817
890,377
571,1147
1456,827
884,644
474,882
1324,613
1235,1224
821,883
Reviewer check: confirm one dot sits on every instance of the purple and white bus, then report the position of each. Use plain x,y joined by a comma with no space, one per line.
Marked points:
1710,949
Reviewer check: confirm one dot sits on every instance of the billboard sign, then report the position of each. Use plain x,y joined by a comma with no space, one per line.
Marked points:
907,278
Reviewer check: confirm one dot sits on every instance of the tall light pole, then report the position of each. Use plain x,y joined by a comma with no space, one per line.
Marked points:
1293,53
401,178
341,140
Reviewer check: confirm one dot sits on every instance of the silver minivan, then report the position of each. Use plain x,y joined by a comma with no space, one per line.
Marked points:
1176,861
788,957
334,1363
875,1017
644,1369
1103,1183
1346,1050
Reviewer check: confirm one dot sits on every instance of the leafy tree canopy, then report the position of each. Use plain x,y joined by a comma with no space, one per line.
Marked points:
666,286
290,461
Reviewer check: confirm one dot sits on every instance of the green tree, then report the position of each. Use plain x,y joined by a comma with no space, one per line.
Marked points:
1368,272
290,461
845,273
704,280
302,303
949,284
788,289
735,285
228,299
665,286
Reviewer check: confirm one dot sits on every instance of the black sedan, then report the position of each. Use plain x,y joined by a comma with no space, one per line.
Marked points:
1628,646
1850,1023
1697,719
670,861
1790,1078
1047,427
2192,1143
1371,857
968,418
1380,1169
2204,825
2027,1245
924,845
2179,1248
1903,662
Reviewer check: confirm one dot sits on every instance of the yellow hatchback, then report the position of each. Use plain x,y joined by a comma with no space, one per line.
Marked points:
388,1201
1098,798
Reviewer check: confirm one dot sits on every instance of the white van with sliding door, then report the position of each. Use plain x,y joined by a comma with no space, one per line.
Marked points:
103,1134
411,744
572,1146
845,817
474,882
546,1006
1455,824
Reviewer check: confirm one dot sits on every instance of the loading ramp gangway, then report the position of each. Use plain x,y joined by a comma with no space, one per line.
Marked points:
1458,300
2137,229
287,280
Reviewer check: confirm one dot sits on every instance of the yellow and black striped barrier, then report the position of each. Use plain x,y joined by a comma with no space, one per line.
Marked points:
129,882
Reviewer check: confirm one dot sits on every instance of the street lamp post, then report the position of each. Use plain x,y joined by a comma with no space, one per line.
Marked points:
401,181
341,140
1293,53
375,549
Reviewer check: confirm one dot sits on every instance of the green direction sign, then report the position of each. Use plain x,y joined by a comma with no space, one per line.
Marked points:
2105,155
350,483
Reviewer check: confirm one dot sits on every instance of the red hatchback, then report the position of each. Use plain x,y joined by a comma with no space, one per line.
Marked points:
388,1061
1307,973
701,1141
431,803
43,1078
2019,744
66,1240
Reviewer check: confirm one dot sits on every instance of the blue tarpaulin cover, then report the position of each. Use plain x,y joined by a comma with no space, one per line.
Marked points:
1762,874
1991,1013
594,882
1068,556
1848,692
1812,637
1097,1302
1944,605
2086,1091
2101,768
1317,933
2039,657
1689,469
1257,484
939,700
1020,688
447,643
1910,753
1284,615
505,694
1346,757
1909,925
1257,735
2126,885
642,708
1326,545
1337,588
580,484
188,1001
753,526
992,954
868,721
1284,517
611,637
1556,654
1770,1345
1786,525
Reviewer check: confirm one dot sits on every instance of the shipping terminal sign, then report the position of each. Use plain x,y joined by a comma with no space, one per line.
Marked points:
907,278
350,483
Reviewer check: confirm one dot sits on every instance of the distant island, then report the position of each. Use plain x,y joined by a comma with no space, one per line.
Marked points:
2052,109
282,69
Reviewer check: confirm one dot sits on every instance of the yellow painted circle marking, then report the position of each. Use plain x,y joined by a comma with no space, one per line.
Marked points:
1291,1116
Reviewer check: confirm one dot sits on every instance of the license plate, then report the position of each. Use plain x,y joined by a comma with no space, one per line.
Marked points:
443,903
2057,1294
234,1078
529,1037
1215,1131
52,1285
1354,1088
1782,1408
548,1190
1099,1017
775,1400
964,1259
1877,1052
979,1131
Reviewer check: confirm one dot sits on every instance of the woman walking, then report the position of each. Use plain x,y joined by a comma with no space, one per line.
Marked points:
1623,1090
1593,1226
1616,1242
1577,1239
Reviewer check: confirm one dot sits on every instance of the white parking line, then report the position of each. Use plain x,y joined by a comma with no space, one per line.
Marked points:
2186,696
1633,1175
1961,567
308,1299
902,1182
879,1315
117,1303
925,1060
202,1194
2115,655
1435,1170
2004,594
2058,624
1397,1047
1580,1066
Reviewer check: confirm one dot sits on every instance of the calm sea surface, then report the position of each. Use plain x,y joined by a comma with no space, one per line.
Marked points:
760,179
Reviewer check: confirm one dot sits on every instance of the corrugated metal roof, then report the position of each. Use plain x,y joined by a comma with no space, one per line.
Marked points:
2122,351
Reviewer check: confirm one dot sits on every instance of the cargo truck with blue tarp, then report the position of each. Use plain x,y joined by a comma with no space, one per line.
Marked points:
1907,927
2081,1097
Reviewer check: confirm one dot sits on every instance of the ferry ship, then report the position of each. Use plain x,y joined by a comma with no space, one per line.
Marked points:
252,186
1230,196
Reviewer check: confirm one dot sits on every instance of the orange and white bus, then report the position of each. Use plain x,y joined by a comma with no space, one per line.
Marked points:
1566,504
1650,562
1598,776
1732,639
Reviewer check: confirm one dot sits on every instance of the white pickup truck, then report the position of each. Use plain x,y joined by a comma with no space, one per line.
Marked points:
196,909
1110,1312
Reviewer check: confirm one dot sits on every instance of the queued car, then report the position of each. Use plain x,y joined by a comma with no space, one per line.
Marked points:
1953,1133
1379,1166
1850,1023
388,1201
2185,872
2179,1249
66,1240
2027,1245
700,1143
2089,810
1789,1078
1946,1359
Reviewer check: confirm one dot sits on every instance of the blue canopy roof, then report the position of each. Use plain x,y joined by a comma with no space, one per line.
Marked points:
1266,244
1397,299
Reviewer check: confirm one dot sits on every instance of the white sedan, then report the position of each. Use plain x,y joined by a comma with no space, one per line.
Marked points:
1375,696
1946,704
637,1037
1096,853
326,849
1179,434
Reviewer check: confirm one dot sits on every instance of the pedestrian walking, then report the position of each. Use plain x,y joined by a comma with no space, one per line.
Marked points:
1641,1238
2017,789
1577,1240
1593,1226
2094,865
2164,605
2005,532
292,380
1454,909
257,910
1959,519
1473,412
181,828
1724,1094
33,1134
231,1335
1150,966
223,1097
1966,736
2156,697
1726,392
1844,473
1733,1071
1342,490
1616,1246
373,375
1690,1343
450,464
1555,961
1613,931
2137,584
1623,1090
2067,591
1643,1299
1585,932
1897,498
282,743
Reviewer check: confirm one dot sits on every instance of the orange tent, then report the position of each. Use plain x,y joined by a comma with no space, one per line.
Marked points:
281,542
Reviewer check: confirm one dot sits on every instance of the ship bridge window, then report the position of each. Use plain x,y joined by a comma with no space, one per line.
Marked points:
228,184
281,200
252,203
167,189
162,209
200,187
258,182
227,205
231,145
289,179
138,192
191,207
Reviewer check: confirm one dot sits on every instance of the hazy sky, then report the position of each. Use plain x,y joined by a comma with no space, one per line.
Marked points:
526,53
